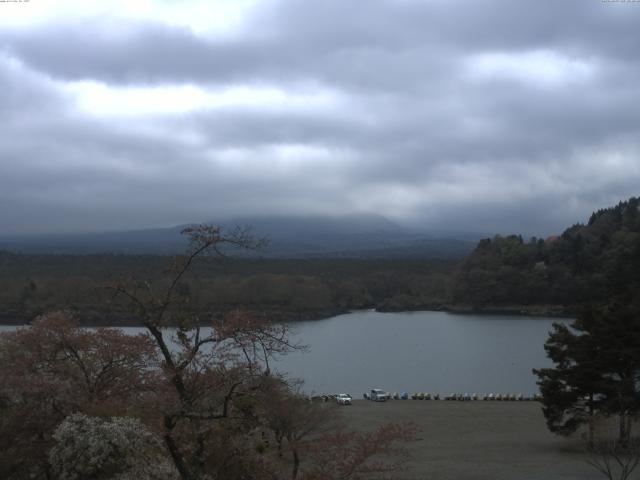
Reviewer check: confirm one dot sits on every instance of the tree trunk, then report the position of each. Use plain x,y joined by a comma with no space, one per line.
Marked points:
296,458
176,456
624,435
296,463
279,438
591,421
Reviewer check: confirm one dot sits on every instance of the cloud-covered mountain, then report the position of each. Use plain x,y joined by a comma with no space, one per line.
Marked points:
497,116
292,237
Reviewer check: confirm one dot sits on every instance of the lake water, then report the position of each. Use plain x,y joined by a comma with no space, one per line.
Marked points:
418,351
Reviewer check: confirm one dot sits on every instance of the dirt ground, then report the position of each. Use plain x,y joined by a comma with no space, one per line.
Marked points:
477,440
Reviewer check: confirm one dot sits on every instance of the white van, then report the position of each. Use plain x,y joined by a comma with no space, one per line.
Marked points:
378,395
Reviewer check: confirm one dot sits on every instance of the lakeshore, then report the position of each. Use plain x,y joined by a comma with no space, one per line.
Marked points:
95,319
477,440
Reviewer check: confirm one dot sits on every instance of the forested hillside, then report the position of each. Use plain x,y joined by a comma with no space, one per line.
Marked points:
283,289
586,264
590,263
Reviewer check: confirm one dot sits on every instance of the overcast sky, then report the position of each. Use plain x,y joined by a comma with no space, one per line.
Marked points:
494,116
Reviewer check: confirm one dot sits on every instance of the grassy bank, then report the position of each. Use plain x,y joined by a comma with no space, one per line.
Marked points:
478,440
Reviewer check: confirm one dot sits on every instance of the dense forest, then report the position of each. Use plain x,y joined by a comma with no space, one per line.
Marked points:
557,275
283,289
586,264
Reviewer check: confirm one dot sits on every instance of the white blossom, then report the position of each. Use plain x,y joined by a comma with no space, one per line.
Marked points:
119,448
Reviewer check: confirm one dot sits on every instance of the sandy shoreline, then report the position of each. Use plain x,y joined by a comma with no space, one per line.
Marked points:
478,440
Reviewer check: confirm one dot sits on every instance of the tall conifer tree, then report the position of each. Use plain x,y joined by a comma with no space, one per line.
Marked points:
597,370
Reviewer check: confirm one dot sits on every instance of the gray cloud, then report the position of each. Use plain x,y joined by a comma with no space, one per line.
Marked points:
493,116
327,41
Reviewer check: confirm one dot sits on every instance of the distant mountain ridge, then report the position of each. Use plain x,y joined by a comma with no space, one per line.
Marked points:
346,236
311,226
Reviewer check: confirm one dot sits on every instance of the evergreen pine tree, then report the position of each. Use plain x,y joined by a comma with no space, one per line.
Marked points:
597,370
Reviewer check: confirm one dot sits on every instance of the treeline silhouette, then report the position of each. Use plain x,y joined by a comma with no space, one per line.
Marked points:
587,264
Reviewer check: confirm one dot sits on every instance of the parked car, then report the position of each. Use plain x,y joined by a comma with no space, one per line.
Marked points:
343,399
378,395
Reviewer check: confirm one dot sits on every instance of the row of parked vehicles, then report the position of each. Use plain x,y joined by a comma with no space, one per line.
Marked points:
376,394
379,395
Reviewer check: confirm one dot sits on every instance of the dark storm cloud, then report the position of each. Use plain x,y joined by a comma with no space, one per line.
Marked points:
491,116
